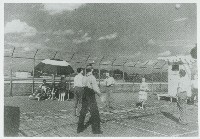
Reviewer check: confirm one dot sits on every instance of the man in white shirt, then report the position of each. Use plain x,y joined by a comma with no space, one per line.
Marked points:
182,95
109,83
89,104
78,90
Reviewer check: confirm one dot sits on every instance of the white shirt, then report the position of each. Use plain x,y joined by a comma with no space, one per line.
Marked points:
78,80
90,82
144,86
184,84
109,81
194,84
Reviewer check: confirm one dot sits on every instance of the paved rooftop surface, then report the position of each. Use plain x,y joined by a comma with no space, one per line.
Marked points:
55,119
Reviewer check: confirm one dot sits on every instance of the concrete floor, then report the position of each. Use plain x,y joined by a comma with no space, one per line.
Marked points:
54,118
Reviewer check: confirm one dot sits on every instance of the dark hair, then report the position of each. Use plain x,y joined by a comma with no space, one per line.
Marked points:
89,66
62,78
79,70
88,70
44,80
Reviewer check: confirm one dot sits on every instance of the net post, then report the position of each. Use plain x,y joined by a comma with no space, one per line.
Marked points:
11,62
86,62
33,83
124,69
55,55
100,70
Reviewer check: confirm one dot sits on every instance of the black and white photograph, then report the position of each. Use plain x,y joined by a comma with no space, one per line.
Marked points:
100,69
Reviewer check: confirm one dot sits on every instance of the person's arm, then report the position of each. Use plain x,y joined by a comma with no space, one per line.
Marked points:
141,86
146,87
104,81
40,86
178,89
75,81
187,69
113,81
95,86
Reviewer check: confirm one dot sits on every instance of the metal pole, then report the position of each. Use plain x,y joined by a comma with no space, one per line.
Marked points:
124,69
11,73
152,84
113,64
160,82
100,70
72,57
86,62
33,86
55,54
68,97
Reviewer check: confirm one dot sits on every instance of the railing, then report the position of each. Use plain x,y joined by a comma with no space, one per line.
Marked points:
24,87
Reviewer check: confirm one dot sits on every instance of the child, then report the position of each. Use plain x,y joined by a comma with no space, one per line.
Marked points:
142,94
62,89
41,92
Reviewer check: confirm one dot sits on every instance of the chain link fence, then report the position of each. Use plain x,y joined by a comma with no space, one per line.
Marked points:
126,72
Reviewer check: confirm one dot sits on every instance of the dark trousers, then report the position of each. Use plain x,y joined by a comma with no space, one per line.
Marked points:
78,92
109,99
89,104
181,104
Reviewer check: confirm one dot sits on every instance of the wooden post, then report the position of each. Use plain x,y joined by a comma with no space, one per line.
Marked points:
11,62
33,86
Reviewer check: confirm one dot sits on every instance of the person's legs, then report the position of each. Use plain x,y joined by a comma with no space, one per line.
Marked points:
63,96
107,99
95,117
111,100
181,104
83,112
75,101
59,96
79,100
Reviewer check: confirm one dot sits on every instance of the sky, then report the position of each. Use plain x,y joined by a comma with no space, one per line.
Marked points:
122,31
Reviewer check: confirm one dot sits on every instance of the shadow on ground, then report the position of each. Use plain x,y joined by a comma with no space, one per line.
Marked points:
170,116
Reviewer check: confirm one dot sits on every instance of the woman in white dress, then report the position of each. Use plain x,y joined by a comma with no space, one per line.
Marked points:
142,94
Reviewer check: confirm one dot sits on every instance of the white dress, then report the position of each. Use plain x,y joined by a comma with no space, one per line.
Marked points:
142,92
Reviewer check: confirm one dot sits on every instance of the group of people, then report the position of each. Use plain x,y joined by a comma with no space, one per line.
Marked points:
184,96
46,91
86,88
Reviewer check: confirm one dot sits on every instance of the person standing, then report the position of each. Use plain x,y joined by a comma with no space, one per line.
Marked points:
109,83
142,94
78,90
182,95
89,104
194,87
62,89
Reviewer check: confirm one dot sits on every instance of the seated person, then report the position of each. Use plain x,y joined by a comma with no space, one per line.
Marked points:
42,91
52,92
